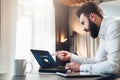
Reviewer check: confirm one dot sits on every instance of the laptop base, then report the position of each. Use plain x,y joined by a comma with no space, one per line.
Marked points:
52,70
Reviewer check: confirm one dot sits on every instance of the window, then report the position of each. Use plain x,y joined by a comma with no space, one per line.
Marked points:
35,27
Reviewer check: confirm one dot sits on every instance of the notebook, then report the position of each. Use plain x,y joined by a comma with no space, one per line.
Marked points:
46,62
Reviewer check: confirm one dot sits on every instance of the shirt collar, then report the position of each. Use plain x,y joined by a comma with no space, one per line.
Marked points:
102,28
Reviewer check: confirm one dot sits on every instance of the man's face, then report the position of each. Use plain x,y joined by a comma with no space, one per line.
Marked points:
89,26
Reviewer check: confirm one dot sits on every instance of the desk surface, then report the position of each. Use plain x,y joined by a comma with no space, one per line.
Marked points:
37,76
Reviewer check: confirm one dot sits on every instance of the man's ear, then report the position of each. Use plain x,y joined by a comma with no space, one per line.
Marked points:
92,17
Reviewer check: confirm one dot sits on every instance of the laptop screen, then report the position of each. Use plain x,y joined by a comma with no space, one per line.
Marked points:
44,58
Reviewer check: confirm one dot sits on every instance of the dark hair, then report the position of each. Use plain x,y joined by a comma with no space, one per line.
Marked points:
87,8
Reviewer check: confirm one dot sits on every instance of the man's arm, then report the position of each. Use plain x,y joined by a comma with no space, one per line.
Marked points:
100,56
83,60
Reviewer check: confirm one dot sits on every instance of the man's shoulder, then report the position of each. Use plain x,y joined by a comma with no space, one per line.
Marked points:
113,24
110,25
112,19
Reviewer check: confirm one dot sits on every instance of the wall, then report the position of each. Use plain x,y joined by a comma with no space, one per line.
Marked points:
0,24
111,8
61,25
62,28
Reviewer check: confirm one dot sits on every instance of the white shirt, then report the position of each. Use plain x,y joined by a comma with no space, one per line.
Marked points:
107,59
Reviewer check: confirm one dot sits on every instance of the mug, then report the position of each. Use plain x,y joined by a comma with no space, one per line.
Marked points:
20,67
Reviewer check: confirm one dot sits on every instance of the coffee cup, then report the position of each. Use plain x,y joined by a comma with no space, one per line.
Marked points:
20,67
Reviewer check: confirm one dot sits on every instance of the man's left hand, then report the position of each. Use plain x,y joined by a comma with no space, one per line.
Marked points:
73,66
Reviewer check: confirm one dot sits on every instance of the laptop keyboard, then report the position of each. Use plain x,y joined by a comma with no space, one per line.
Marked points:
60,67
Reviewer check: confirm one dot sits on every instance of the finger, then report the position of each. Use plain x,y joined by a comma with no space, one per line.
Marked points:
62,54
70,65
61,57
69,71
66,67
57,53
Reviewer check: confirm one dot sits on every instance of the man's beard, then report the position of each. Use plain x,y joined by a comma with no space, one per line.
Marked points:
93,29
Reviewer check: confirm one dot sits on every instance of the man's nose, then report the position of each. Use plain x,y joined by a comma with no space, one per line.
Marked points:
87,30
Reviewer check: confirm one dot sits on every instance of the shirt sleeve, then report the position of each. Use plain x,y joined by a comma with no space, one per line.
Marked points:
101,55
83,60
112,64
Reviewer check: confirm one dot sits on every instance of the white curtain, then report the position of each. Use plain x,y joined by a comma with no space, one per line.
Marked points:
34,28
7,34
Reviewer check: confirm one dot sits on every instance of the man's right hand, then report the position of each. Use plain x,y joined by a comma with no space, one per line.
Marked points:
63,55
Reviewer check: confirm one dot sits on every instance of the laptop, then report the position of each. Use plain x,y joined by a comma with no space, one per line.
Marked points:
46,62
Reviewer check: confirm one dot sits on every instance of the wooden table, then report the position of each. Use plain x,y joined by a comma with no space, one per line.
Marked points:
38,76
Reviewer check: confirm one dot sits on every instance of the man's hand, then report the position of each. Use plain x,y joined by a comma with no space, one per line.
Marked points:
73,66
63,55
